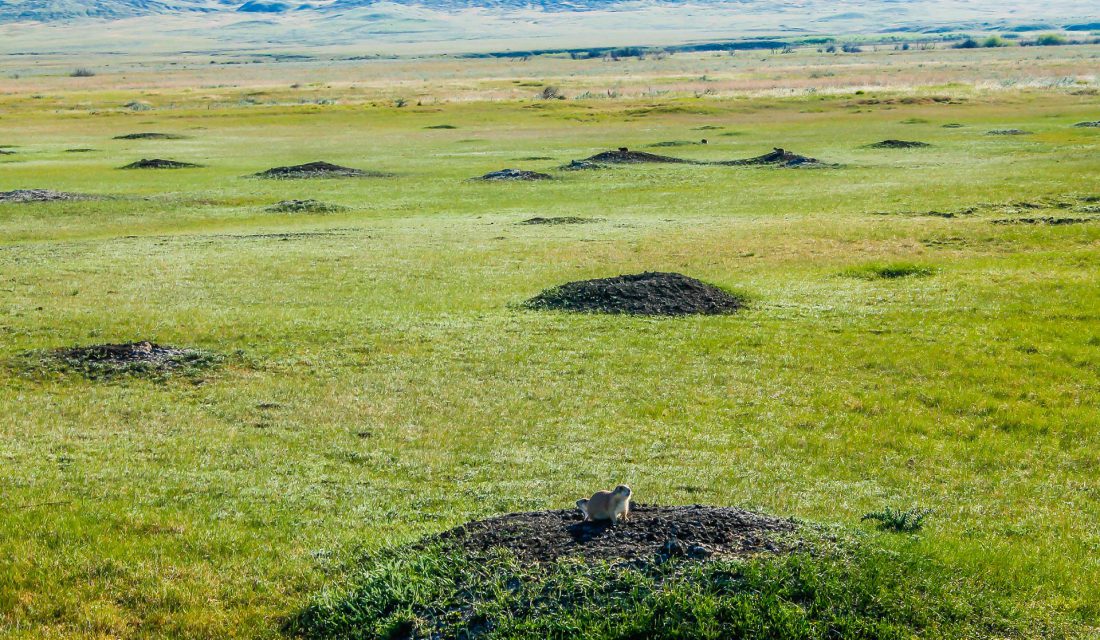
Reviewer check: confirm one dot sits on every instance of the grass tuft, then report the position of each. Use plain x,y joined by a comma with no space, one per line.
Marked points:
889,271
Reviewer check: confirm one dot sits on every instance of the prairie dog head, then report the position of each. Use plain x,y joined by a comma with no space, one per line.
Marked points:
622,491
582,504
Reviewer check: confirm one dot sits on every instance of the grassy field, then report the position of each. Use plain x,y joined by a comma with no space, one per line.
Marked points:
382,381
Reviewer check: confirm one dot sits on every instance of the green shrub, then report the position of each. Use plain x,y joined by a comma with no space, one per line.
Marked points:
890,519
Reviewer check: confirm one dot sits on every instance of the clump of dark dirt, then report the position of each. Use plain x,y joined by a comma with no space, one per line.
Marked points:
1051,220
158,163
898,144
441,126
582,165
304,206
40,195
694,531
5,152
1008,132
1095,123
316,170
649,293
560,220
676,143
626,156
79,150
151,136
133,358
778,157
514,174
953,125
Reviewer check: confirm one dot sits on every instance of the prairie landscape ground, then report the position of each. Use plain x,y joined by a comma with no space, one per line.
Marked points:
920,329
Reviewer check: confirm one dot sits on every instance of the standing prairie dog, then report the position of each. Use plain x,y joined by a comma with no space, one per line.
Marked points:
607,505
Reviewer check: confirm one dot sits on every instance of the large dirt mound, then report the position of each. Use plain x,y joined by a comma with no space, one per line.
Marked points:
140,358
316,170
157,163
514,174
40,195
898,144
649,293
778,157
151,136
625,156
691,531
1094,123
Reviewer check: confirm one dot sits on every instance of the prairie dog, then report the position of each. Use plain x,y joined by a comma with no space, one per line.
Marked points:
607,505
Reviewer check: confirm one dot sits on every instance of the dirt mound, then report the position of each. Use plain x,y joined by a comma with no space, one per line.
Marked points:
953,125
778,157
1008,132
151,136
1044,220
79,150
157,163
625,156
39,195
316,170
649,293
304,206
559,220
1095,123
898,144
581,165
515,174
5,152
148,358
690,531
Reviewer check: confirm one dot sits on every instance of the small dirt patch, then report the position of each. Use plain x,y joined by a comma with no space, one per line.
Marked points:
79,150
158,163
626,156
898,144
1094,123
151,136
649,293
40,195
316,170
1008,132
675,143
778,157
304,206
132,358
5,152
560,220
953,125
689,531
582,165
441,126
514,174
1050,220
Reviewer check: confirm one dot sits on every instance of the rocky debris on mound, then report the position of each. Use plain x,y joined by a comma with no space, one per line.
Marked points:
316,170
581,165
625,156
151,136
515,174
133,357
304,206
649,293
1044,220
777,157
694,531
559,220
1008,132
898,144
1095,123
158,163
39,195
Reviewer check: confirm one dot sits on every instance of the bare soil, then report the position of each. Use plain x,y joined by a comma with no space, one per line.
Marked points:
318,169
158,163
649,293
515,174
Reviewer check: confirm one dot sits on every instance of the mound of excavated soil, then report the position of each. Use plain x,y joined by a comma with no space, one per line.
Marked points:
559,220
5,152
151,136
1008,132
157,163
898,144
39,195
133,357
778,157
691,531
625,156
304,206
649,293
515,174
1095,123
316,170
1051,220
79,150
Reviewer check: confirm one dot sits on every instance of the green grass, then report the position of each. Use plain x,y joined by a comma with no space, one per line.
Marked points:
391,386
